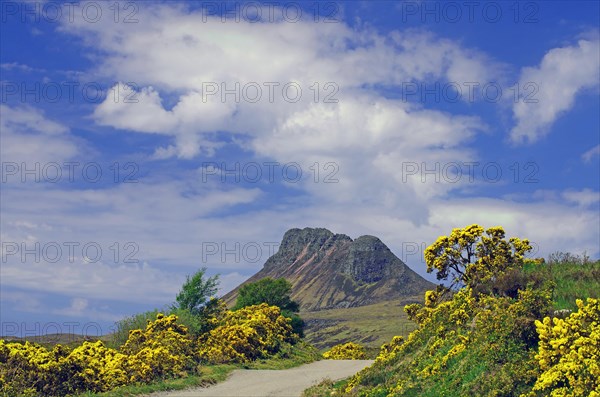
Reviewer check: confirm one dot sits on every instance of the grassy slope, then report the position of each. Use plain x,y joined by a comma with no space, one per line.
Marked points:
572,282
370,325
464,372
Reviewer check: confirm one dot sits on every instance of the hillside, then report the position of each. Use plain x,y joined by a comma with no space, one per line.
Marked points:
332,271
489,350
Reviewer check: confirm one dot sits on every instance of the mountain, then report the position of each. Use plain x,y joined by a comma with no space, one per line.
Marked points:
332,271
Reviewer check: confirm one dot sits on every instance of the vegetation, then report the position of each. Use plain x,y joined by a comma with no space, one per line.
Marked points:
371,325
154,348
194,306
196,292
165,349
469,257
208,375
287,357
569,353
274,292
347,351
499,332
573,280
505,326
247,334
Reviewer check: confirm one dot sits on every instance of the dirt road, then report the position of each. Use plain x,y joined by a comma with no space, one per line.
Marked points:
277,383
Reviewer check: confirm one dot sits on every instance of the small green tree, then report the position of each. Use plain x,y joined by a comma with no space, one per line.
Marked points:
196,292
274,292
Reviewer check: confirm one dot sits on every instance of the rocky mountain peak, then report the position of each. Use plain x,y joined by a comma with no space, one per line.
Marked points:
330,270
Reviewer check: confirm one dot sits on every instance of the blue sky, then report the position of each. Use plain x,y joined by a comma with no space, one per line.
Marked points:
141,141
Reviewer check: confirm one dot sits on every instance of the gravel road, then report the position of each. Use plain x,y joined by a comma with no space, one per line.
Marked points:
277,383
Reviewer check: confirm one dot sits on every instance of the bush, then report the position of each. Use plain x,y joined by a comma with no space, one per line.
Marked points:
472,257
31,369
196,324
163,349
273,292
98,368
346,351
247,334
127,324
465,346
295,321
569,353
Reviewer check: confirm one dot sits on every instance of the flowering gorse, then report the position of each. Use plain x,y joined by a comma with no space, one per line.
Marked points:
163,349
569,353
346,351
247,334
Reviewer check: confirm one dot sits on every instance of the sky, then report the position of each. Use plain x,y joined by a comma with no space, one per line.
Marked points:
142,141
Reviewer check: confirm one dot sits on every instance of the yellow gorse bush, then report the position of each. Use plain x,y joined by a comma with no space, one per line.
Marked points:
569,353
100,368
473,256
164,349
31,369
247,334
346,351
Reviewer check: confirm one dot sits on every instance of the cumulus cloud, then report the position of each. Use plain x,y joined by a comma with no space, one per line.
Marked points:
554,85
195,59
168,67
340,120
365,135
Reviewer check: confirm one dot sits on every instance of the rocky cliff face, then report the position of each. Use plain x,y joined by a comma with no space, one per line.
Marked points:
330,270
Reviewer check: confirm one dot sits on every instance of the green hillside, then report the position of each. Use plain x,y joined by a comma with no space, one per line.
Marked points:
484,347
370,325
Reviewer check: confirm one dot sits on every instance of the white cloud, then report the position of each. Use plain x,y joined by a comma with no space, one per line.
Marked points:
170,54
80,308
191,54
589,155
584,198
29,137
563,73
364,134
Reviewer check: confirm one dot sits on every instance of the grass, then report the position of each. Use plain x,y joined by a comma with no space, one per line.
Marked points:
573,281
490,364
370,325
324,388
301,353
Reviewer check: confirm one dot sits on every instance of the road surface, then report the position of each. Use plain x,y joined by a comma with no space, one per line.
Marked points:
276,383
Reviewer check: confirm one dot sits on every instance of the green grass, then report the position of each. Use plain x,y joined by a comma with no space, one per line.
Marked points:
370,325
324,388
572,281
298,354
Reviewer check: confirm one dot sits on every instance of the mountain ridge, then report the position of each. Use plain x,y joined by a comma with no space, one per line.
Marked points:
333,271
